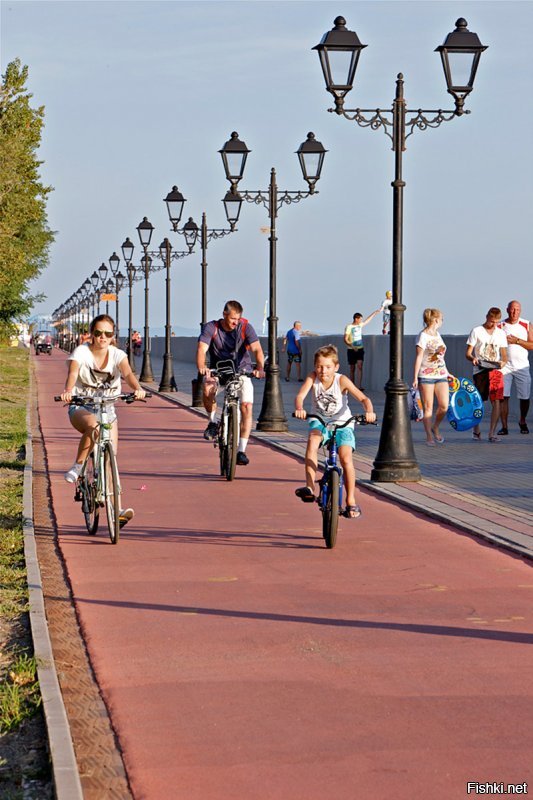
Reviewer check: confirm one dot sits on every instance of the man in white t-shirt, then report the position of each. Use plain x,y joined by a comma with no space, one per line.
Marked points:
487,350
519,333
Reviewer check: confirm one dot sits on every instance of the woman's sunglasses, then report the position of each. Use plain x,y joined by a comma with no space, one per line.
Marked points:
107,334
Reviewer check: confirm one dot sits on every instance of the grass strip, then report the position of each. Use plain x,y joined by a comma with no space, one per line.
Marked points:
19,688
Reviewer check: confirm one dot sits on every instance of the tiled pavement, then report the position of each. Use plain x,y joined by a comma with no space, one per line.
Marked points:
482,488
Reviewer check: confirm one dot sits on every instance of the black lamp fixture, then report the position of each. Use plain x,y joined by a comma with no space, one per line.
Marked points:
145,230
232,206
339,51
311,157
175,202
127,250
460,56
190,231
114,262
234,154
102,271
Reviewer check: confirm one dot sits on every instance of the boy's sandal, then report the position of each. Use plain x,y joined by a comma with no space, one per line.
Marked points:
305,494
352,512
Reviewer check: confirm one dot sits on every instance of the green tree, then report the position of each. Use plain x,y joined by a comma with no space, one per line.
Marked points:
24,234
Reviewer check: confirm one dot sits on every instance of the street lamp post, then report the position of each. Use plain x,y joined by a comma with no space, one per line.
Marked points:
311,157
339,52
168,382
145,230
127,252
175,202
95,280
114,263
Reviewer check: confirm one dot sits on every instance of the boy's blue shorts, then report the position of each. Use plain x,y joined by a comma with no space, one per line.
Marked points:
343,436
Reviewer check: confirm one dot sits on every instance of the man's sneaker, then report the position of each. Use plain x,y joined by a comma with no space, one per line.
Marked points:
211,431
242,459
74,473
125,515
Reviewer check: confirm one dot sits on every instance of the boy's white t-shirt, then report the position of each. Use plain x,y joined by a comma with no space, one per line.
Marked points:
487,345
93,382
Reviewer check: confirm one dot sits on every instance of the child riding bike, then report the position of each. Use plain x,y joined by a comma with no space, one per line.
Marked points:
330,392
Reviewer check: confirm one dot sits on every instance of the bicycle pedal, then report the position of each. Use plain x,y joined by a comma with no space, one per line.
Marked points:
78,495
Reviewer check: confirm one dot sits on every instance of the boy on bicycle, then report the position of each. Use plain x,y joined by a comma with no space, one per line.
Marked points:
230,338
330,392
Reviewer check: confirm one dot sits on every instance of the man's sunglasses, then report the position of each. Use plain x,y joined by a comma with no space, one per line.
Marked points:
107,334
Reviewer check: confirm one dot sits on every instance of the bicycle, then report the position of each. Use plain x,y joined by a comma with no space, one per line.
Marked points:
227,439
331,483
98,484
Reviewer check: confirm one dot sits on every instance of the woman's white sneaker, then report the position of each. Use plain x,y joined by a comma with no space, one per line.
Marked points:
74,473
125,515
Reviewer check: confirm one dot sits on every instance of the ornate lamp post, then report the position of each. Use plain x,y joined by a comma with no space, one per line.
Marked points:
145,230
102,271
175,202
311,157
127,252
114,263
168,382
95,280
339,52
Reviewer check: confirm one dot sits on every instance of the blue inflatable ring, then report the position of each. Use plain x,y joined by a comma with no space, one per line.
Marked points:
466,406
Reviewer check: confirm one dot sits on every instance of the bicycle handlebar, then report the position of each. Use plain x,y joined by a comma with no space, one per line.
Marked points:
78,400
359,419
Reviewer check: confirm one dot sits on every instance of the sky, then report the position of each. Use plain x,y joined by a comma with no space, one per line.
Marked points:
140,96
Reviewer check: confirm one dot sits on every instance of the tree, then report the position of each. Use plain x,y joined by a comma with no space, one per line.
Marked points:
24,234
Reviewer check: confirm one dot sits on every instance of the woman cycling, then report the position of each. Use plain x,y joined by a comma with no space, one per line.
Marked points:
95,369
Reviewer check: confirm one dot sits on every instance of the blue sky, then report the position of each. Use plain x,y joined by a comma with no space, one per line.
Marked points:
141,95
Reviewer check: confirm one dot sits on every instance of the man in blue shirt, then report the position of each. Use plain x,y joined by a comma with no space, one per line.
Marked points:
291,343
230,338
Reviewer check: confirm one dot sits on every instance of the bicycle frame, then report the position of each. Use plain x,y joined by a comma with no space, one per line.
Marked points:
330,451
103,435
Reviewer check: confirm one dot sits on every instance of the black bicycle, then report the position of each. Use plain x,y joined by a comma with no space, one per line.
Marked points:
331,483
98,484
227,439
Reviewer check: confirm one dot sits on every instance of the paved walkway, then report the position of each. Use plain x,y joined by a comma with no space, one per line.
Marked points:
238,658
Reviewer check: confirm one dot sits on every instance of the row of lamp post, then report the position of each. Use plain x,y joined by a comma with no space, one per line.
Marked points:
339,52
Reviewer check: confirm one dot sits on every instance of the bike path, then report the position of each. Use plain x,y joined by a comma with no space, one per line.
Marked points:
241,659
481,488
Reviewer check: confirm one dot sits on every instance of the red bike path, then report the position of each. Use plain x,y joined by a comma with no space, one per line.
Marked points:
241,659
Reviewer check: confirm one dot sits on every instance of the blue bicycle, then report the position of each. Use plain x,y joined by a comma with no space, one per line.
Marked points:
331,483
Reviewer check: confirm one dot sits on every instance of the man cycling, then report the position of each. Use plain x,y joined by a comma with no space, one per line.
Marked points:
231,337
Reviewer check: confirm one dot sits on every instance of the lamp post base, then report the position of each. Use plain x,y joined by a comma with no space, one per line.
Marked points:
272,416
146,376
197,391
168,382
395,459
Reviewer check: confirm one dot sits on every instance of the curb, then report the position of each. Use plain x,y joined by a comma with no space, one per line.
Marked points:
65,772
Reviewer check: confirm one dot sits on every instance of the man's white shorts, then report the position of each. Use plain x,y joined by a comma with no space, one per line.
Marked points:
522,382
246,392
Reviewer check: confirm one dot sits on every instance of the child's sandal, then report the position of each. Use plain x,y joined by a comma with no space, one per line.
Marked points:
305,494
352,512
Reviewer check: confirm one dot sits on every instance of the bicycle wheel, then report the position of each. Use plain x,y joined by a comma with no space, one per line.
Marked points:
112,493
330,512
222,447
90,509
233,441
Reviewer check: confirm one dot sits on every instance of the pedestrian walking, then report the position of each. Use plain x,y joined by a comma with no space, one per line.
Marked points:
292,344
487,350
431,375
519,334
